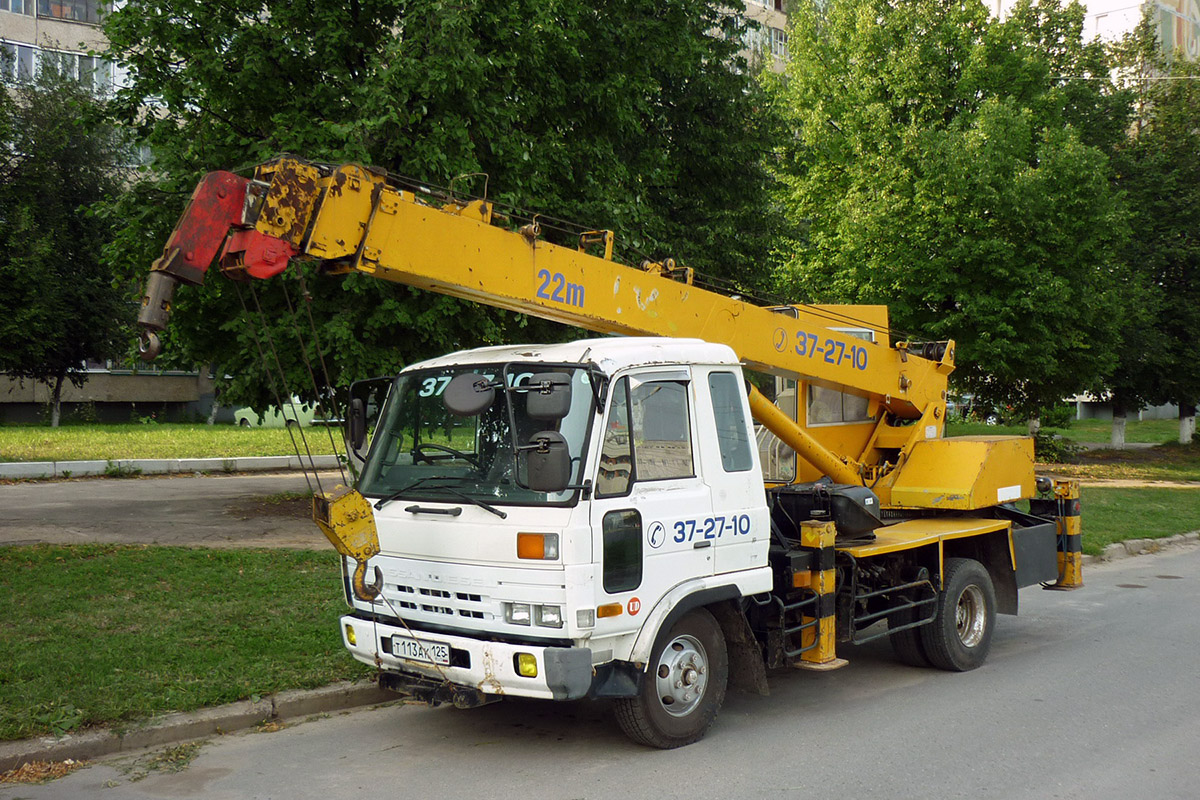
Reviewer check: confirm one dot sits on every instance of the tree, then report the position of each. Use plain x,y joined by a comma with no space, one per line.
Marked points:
58,301
628,115
941,164
1158,171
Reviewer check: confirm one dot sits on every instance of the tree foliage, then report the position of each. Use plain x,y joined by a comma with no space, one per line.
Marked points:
59,304
1158,170
955,167
621,115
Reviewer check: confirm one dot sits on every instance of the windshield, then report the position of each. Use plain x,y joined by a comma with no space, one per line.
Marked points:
421,451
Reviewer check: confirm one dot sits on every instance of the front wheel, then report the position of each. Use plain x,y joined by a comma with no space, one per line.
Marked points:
960,636
683,688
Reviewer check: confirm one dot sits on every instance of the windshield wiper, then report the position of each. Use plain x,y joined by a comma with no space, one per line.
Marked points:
420,481
396,495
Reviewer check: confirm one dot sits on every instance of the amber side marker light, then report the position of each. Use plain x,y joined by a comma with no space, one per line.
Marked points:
610,610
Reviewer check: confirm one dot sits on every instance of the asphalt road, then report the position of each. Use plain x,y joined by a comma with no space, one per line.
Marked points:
213,511
1092,694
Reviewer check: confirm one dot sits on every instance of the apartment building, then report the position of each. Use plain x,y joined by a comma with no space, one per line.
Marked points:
1177,21
768,39
65,32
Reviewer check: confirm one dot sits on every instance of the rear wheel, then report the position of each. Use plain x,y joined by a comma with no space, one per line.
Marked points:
683,688
960,636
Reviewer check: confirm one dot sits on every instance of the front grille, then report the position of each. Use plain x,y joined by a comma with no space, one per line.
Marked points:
440,602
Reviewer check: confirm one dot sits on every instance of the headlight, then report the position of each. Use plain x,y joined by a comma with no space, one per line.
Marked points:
516,613
548,616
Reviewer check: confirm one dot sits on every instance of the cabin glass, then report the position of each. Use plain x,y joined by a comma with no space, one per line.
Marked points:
423,451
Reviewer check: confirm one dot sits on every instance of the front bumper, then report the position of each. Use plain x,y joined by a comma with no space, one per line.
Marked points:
476,667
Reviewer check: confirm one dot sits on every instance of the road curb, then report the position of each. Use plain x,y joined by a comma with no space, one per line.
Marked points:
121,467
1137,547
173,728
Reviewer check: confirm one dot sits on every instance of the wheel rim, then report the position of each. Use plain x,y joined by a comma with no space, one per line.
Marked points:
681,676
970,617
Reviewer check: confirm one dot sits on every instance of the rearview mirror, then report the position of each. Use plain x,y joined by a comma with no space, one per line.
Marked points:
547,462
548,396
356,424
468,394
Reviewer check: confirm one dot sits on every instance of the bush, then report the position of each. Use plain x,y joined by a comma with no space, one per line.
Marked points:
1050,448
1058,416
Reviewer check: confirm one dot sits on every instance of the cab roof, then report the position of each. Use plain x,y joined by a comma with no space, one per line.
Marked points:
611,353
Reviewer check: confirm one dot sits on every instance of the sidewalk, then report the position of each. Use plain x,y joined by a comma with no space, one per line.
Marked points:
174,728
160,466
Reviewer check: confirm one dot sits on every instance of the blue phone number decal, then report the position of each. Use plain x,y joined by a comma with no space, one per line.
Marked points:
687,530
829,351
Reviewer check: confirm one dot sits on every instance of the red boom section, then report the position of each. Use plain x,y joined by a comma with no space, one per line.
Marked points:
216,206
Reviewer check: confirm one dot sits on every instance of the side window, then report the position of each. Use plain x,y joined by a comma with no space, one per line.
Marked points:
730,417
622,551
827,406
616,452
662,434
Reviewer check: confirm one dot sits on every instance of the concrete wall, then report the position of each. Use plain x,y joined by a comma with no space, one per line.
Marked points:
113,397
1091,409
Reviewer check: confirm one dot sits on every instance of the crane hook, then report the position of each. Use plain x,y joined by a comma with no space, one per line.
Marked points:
363,590
149,346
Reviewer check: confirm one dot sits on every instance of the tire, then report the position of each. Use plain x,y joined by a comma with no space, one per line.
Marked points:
960,636
906,645
245,423
683,688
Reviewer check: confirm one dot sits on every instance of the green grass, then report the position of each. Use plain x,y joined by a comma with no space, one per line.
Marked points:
100,635
110,442
107,635
1097,431
1116,514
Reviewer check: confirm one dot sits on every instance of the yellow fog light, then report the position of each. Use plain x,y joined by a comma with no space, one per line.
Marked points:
350,637
526,665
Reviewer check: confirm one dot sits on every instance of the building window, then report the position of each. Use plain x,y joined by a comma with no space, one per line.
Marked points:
76,10
19,63
16,62
779,43
17,6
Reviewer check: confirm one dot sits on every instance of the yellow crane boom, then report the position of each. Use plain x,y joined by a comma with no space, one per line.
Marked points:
352,219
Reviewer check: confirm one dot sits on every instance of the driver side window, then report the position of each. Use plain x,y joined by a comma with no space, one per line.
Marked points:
648,436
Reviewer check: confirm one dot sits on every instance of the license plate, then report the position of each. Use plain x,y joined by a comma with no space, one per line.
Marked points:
419,650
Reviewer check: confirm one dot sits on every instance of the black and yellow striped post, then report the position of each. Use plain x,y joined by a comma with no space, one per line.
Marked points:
1070,536
819,640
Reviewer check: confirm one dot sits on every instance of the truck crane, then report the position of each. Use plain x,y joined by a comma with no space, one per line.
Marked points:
602,518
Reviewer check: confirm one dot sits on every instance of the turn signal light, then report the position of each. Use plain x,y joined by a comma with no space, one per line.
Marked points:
539,546
350,637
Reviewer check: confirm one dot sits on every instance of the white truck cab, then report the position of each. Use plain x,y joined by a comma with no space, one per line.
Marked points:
491,587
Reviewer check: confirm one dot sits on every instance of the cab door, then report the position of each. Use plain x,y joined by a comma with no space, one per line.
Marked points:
650,503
